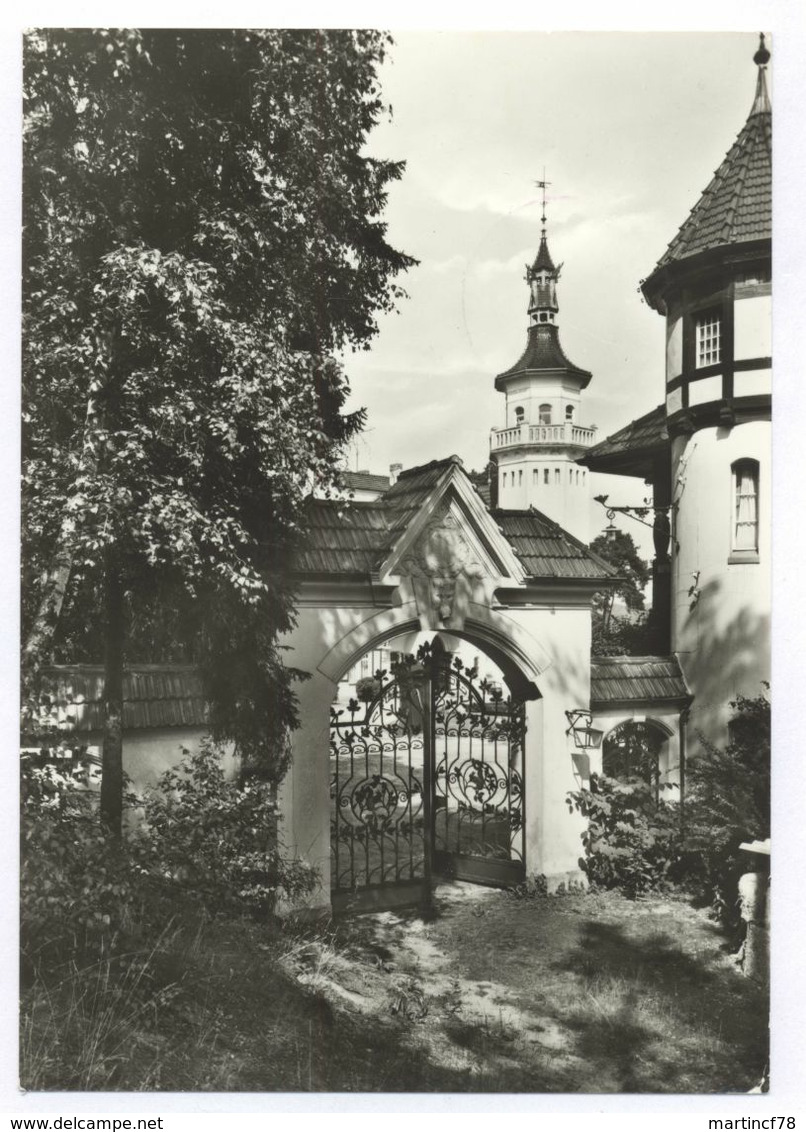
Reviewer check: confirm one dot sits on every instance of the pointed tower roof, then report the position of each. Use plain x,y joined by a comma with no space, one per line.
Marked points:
736,207
543,353
543,260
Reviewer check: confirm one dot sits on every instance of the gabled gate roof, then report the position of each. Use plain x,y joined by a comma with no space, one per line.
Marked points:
358,538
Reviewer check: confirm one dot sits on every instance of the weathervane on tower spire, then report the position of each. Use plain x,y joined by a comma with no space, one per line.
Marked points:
543,185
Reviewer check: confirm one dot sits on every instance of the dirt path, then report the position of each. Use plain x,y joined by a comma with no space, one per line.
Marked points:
575,993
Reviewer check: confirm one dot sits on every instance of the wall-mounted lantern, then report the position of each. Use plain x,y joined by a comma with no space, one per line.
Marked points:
586,738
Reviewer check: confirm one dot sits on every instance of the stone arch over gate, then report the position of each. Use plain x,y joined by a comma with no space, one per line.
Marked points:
430,557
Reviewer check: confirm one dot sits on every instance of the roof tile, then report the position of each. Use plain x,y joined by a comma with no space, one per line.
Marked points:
623,679
736,207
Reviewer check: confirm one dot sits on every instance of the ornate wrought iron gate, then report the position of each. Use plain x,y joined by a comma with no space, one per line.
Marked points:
427,777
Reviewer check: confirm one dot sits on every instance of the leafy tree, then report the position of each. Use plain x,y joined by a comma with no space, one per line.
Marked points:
202,237
613,635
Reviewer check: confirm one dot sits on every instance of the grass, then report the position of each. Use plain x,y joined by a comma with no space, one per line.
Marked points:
579,993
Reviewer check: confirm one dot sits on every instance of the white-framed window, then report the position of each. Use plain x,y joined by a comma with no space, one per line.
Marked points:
519,414
545,414
744,541
709,338
569,412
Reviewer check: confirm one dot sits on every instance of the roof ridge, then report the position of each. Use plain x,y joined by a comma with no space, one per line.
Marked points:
444,461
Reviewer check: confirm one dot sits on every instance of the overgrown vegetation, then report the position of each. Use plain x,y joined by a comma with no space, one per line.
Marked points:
632,839
728,802
104,920
638,840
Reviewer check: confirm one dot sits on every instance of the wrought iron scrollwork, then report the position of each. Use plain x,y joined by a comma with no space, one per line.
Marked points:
378,770
478,752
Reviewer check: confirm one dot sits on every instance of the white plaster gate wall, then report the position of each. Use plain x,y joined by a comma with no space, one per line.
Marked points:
451,569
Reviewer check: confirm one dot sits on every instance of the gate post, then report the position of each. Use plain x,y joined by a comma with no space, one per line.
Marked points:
304,793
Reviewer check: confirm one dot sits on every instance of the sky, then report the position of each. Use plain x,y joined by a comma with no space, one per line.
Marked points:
629,128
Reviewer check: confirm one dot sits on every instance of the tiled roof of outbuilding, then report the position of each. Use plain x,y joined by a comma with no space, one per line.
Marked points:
153,696
621,679
355,539
736,207
631,447
544,352
546,550
365,481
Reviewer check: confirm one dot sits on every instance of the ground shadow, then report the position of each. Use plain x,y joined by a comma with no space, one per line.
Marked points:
619,1036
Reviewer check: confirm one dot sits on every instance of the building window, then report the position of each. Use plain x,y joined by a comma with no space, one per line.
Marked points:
545,475
569,412
519,414
745,509
545,414
534,476
557,476
520,477
571,475
709,339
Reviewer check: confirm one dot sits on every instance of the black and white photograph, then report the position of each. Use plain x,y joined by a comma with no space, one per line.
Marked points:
396,562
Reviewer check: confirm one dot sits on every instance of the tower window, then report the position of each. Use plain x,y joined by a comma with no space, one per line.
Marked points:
534,476
520,477
557,476
569,412
519,414
545,475
745,510
570,475
543,317
545,414
709,339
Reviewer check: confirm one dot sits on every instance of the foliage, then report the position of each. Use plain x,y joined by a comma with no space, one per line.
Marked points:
202,238
216,836
77,886
728,802
367,688
632,751
632,841
622,636
634,573
85,894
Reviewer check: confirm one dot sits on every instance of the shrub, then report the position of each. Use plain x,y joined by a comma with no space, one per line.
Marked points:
728,802
78,889
217,838
367,688
632,842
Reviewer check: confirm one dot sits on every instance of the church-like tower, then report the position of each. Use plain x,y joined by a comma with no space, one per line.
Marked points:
535,452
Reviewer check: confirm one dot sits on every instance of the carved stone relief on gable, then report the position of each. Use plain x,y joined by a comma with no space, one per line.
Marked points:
442,563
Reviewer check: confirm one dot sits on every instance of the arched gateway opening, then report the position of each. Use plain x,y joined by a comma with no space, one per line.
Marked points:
435,768
427,777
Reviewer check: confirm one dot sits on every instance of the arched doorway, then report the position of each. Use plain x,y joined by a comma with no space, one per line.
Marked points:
427,779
